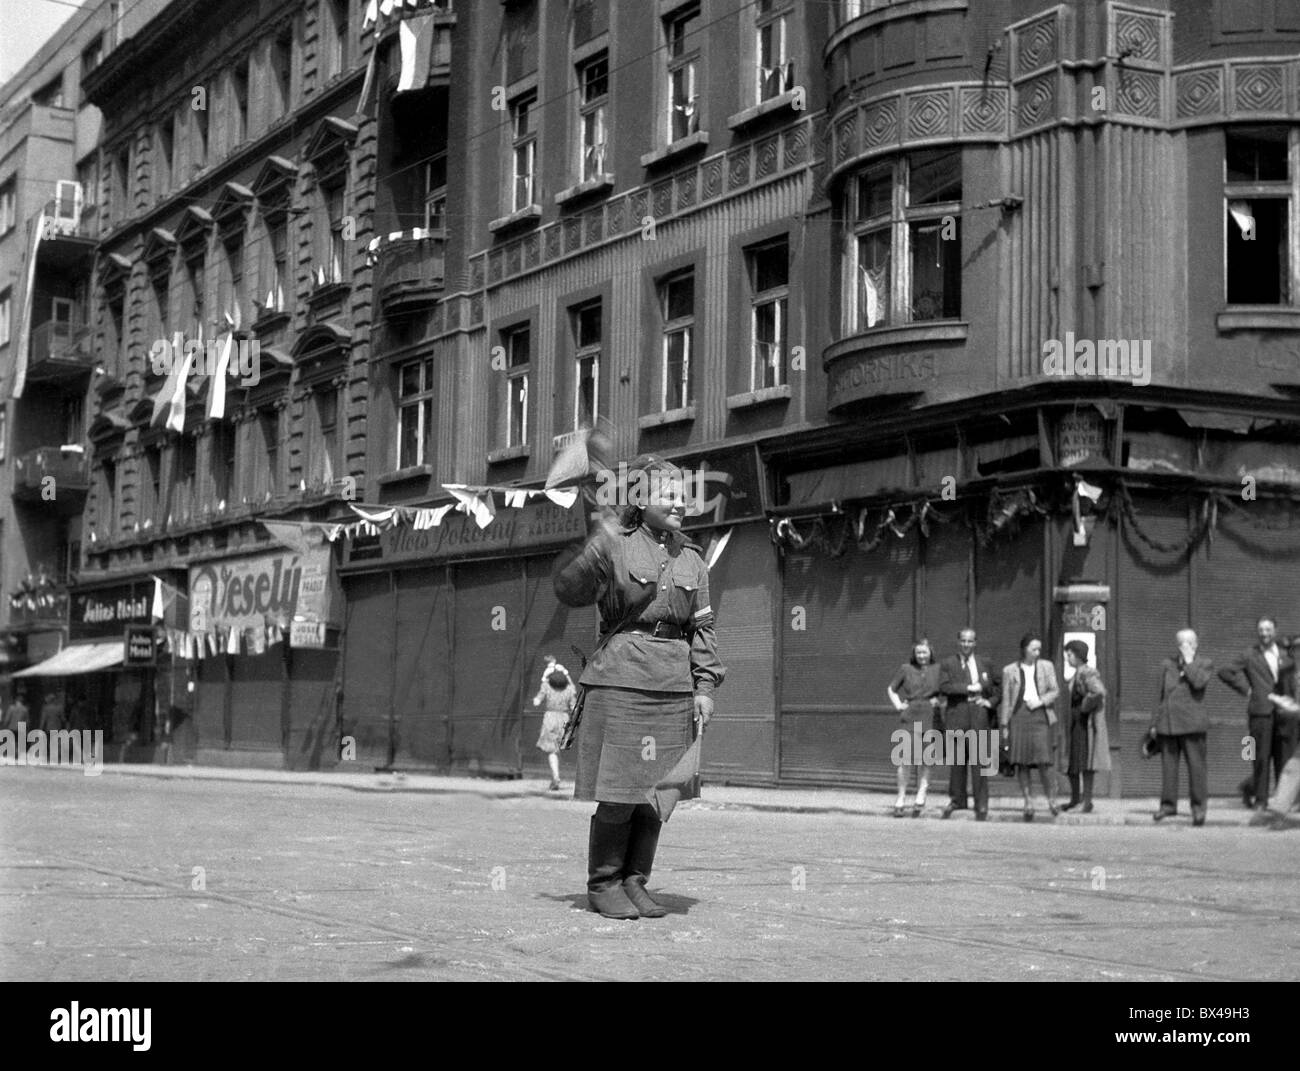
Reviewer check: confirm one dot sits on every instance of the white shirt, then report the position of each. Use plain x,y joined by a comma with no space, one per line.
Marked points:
1031,684
1270,656
972,670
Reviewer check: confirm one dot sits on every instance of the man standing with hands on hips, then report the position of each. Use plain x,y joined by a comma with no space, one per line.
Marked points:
966,681
1180,725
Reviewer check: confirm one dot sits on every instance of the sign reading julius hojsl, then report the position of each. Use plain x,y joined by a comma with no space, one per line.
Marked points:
140,649
250,593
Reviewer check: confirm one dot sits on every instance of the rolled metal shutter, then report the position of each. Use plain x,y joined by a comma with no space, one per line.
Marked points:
256,700
422,681
313,728
368,666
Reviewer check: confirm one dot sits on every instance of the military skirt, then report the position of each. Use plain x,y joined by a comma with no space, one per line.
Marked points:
629,740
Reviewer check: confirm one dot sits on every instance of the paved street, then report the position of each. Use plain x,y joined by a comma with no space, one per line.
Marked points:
308,881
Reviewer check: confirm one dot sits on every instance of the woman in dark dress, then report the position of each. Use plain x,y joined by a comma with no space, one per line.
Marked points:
914,691
1028,720
652,680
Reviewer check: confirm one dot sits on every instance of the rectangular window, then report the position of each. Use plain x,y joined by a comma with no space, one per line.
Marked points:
282,70
775,73
1259,192
517,343
6,315
524,136
8,206
239,91
587,333
265,470
278,232
325,457
122,182
682,46
106,500
677,303
164,157
194,269
50,95
338,38
903,254
91,56
415,414
115,12
199,116
73,419
769,280
335,253
180,489
593,96
115,299
88,177
233,281
153,498
223,469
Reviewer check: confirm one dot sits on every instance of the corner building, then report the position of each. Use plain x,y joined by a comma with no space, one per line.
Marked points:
816,252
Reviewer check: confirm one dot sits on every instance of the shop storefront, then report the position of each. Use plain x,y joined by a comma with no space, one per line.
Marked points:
116,674
263,655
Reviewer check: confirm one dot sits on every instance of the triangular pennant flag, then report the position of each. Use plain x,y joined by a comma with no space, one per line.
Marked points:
156,610
563,499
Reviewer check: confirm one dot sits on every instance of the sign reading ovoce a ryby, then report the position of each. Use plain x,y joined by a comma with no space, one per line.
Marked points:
250,592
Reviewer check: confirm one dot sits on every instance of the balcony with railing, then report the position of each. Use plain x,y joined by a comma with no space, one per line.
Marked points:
409,271
55,475
60,352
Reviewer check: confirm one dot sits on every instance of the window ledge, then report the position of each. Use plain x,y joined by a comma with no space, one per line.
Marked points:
409,473
670,416
901,334
527,214
700,139
765,108
762,396
508,453
1258,318
327,292
599,184
269,321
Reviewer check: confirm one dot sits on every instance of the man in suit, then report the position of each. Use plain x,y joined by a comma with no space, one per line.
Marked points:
1259,673
970,691
1180,724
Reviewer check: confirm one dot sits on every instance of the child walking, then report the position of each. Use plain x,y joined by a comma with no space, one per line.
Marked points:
558,693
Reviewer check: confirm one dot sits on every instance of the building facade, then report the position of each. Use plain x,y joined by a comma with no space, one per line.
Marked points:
923,293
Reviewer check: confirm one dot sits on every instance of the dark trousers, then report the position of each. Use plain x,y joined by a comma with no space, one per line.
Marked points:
958,775
1192,745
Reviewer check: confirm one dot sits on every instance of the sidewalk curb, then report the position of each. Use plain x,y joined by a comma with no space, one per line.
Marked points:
517,789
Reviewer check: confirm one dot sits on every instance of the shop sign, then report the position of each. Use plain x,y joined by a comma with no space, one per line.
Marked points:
1081,436
140,647
107,611
307,634
722,486
1084,615
251,592
538,523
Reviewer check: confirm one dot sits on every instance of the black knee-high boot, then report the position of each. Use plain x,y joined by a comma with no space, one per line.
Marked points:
1074,792
606,852
641,848
1087,790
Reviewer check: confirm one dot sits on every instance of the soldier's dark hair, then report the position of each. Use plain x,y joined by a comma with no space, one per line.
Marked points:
631,512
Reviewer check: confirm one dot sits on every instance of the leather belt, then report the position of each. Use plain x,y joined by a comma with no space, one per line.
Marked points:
664,630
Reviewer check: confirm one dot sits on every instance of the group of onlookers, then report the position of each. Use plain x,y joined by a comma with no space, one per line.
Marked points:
963,692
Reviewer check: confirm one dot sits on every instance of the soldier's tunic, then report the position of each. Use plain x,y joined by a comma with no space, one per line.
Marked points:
639,686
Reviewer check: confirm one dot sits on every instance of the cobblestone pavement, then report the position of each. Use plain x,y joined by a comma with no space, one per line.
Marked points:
133,878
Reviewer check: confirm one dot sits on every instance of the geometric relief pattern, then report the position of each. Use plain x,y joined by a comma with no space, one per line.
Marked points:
572,234
846,132
640,207
929,114
1036,101
1139,93
595,221
738,169
712,178
616,211
686,189
1199,93
552,242
881,123
983,110
1034,45
765,158
663,199
1257,88
532,251
796,145
1139,35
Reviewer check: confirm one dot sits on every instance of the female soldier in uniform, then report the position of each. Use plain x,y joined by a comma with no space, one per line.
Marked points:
654,676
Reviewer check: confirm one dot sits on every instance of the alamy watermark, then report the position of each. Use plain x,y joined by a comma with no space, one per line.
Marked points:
245,358
946,747
1107,358
59,747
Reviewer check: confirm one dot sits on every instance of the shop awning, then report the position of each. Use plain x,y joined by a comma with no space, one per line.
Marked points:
82,658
